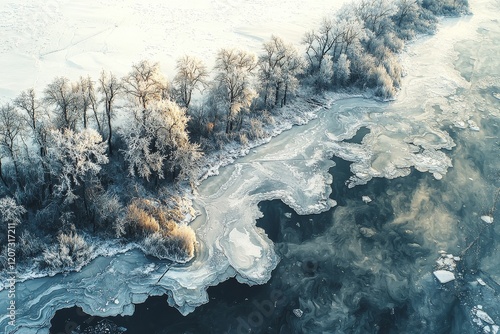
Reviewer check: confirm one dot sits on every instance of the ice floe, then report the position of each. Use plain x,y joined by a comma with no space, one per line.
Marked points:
444,276
487,219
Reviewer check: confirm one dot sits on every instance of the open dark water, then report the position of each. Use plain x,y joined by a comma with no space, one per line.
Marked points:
368,267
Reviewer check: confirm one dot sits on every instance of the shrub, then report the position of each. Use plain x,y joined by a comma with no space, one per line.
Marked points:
107,208
145,217
382,82
178,245
243,139
140,221
256,130
71,252
28,246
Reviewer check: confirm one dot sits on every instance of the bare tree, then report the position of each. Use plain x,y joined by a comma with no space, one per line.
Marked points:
146,83
11,129
28,102
320,43
65,99
35,117
191,74
88,100
278,69
109,87
234,82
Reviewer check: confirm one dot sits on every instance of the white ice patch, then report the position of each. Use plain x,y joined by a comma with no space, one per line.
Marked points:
242,246
473,125
366,199
487,219
478,312
444,276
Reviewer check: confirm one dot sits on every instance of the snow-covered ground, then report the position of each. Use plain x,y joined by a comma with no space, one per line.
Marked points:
42,39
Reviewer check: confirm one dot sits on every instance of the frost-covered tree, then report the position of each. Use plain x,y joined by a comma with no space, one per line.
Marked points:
376,15
145,83
446,7
324,77
279,67
191,74
75,157
110,87
351,30
64,98
233,80
154,137
12,127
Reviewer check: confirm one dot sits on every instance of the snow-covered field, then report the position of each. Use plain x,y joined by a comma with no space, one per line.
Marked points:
42,39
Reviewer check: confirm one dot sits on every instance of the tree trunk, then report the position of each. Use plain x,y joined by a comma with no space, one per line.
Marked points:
276,98
2,177
110,133
285,94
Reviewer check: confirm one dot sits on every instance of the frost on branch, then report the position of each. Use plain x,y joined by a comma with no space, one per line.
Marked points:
157,138
75,156
191,74
145,84
10,212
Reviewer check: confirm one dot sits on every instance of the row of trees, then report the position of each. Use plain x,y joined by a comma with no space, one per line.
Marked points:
359,45
66,154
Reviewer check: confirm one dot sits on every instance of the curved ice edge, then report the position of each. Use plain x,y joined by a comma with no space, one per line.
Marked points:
101,248
286,120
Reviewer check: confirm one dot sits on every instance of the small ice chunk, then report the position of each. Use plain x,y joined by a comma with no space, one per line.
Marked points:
117,301
298,312
297,224
456,258
487,329
444,276
481,282
484,317
437,176
472,125
288,215
487,219
366,199
367,232
495,329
